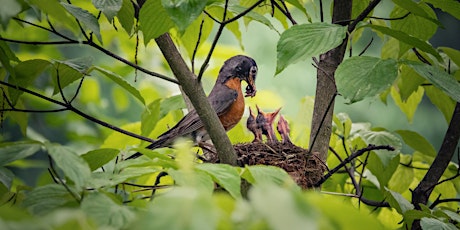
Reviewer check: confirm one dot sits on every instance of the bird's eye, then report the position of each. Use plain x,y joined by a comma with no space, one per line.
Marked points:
253,71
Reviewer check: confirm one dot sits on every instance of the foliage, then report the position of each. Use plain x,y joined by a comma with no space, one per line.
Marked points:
77,68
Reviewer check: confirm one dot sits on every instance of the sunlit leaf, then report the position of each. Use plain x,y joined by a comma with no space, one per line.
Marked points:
201,26
417,142
262,174
453,54
154,20
439,78
126,16
110,8
252,15
416,9
409,82
150,117
183,13
431,223
106,212
99,157
12,151
441,100
401,179
409,106
90,92
86,19
360,77
224,175
450,6
69,71
73,166
302,41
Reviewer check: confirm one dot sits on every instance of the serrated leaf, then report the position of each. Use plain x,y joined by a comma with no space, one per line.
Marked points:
99,157
106,212
154,20
45,199
69,71
409,106
126,16
410,40
86,18
224,175
183,13
449,6
398,202
439,78
416,9
110,8
73,166
121,82
360,77
12,151
25,74
302,41
417,142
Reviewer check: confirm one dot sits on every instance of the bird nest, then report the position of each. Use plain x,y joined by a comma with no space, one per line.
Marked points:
305,168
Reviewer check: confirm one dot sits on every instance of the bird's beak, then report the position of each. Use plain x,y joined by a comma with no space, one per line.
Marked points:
251,88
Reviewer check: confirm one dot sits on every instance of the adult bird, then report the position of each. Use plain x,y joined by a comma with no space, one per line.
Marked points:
226,98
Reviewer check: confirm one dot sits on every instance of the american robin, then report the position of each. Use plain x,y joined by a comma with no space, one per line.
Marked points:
252,125
265,123
226,98
283,130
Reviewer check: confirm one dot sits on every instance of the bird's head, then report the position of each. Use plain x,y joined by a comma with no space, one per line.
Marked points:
242,67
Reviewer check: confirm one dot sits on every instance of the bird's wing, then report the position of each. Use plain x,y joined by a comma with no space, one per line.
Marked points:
222,98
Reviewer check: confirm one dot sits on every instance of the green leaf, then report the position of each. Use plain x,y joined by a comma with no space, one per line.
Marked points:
441,100
409,82
410,40
190,37
109,179
360,77
263,174
397,201
99,157
224,175
7,55
383,166
382,138
449,6
54,9
217,11
402,178
237,9
187,207
439,78
453,54
12,151
69,71
183,13
86,19
417,142
73,166
197,180
9,9
409,106
122,82
126,16
299,5
431,223
414,25
302,41
45,199
281,207
25,74
6,177
106,212
154,20
150,117
452,215
416,9
110,8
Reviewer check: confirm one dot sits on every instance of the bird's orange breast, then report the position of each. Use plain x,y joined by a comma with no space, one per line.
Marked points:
235,112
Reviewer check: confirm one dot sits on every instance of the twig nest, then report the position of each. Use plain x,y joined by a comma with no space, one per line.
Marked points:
305,169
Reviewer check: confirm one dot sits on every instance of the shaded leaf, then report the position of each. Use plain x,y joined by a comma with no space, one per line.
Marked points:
99,157
121,82
25,74
449,6
154,20
439,78
302,41
86,18
360,77
73,166
106,212
150,117
110,8
69,71
453,54
183,13
224,175
397,201
57,11
126,16
431,223
12,151
441,100
6,177
9,9
45,199
417,142
410,40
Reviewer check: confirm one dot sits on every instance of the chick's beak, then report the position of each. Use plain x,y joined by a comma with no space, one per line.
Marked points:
251,88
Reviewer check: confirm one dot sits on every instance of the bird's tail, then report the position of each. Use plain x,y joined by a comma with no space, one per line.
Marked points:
162,142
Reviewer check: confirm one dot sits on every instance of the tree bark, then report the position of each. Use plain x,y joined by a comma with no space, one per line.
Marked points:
195,93
326,89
